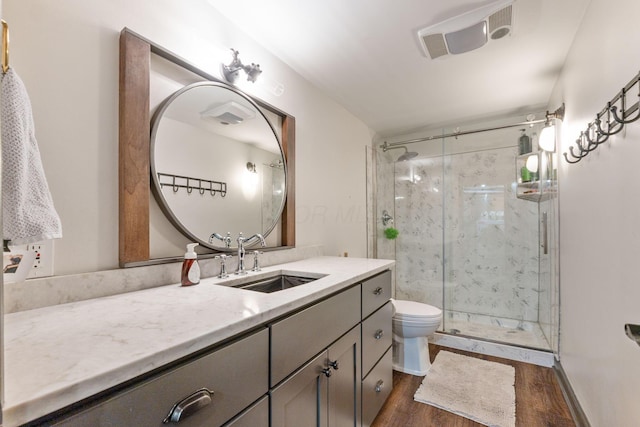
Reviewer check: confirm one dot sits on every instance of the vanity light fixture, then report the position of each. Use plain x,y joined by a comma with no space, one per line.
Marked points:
251,167
232,71
547,140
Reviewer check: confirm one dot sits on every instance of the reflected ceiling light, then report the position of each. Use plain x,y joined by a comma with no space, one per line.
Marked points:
232,71
468,31
547,140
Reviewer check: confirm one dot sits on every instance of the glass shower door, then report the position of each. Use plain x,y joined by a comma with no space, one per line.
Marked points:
491,244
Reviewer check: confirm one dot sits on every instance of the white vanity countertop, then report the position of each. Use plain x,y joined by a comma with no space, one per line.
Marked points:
58,355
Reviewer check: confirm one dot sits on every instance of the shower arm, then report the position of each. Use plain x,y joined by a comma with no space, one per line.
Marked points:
386,147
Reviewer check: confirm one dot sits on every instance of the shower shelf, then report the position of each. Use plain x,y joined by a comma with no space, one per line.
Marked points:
536,191
535,186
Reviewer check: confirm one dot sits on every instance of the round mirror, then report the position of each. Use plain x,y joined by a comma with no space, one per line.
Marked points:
217,165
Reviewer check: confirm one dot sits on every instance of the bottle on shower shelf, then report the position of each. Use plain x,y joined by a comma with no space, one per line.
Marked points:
524,143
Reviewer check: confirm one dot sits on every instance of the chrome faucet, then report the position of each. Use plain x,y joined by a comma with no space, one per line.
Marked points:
226,239
241,241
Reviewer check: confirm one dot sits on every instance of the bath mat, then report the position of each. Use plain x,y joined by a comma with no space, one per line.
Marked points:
477,389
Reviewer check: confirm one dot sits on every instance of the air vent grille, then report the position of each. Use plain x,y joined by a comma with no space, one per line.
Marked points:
501,18
435,45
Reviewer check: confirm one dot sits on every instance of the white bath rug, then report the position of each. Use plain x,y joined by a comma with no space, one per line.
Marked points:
477,389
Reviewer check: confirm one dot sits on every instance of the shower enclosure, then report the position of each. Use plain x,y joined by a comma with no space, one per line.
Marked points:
467,243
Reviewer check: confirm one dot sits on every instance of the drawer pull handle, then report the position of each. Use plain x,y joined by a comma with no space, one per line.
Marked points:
326,372
188,406
379,333
379,386
334,364
377,291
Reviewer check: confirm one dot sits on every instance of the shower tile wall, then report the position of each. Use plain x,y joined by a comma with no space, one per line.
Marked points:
490,236
418,194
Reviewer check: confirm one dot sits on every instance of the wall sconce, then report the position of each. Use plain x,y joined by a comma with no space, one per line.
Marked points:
232,71
547,140
250,181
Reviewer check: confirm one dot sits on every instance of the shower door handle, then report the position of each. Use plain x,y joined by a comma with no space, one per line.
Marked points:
545,237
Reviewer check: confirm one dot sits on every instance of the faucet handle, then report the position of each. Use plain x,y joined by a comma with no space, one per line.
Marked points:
223,268
256,261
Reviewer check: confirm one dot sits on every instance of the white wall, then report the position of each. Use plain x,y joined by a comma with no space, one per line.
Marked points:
67,54
599,221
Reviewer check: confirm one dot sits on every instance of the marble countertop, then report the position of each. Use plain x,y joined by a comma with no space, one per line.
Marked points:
58,355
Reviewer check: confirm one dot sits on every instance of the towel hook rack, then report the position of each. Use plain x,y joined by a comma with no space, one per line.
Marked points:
5,46
609,121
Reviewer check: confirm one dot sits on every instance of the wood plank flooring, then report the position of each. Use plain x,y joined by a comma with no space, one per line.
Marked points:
539,400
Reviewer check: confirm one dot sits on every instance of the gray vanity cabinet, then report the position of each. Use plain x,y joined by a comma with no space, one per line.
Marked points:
207,391
324,392
297,338
317,394
326,365
377,369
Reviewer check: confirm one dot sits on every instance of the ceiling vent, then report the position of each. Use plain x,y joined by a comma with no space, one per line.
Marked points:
229,113
469,31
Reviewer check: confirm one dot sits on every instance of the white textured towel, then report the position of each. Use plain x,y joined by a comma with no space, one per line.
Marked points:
27,207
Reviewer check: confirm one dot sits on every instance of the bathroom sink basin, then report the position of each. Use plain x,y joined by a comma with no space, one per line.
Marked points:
277,283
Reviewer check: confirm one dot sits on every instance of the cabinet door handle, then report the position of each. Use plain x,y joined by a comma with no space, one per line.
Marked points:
188,406
377,291
326,372
379,386
378,334
334,364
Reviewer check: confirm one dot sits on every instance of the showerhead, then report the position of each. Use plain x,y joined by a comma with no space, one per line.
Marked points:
408,155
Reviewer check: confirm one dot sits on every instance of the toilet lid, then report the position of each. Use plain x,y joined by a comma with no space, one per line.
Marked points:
412,310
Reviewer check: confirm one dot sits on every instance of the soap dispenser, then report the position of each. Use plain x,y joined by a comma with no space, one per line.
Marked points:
190,267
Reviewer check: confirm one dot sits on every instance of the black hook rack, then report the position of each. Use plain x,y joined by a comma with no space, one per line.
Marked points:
202,185
608,122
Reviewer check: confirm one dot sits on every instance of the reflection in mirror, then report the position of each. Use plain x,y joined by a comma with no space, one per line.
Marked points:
217,165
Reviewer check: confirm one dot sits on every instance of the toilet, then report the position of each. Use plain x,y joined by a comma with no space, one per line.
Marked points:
413,322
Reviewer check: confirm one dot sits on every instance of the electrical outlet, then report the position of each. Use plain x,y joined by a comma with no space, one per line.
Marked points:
43,263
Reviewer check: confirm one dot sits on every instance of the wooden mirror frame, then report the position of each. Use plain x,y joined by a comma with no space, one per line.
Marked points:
134,172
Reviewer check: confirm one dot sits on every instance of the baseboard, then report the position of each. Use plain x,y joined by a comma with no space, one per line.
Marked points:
577,413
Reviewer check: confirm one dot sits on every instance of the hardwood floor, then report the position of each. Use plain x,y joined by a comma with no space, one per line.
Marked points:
539,400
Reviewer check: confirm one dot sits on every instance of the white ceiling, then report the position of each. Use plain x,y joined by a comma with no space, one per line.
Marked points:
365,54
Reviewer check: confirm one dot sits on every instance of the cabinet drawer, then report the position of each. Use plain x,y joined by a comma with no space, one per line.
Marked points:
376,336
256,416
299,337
376,388
237,374
375,292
